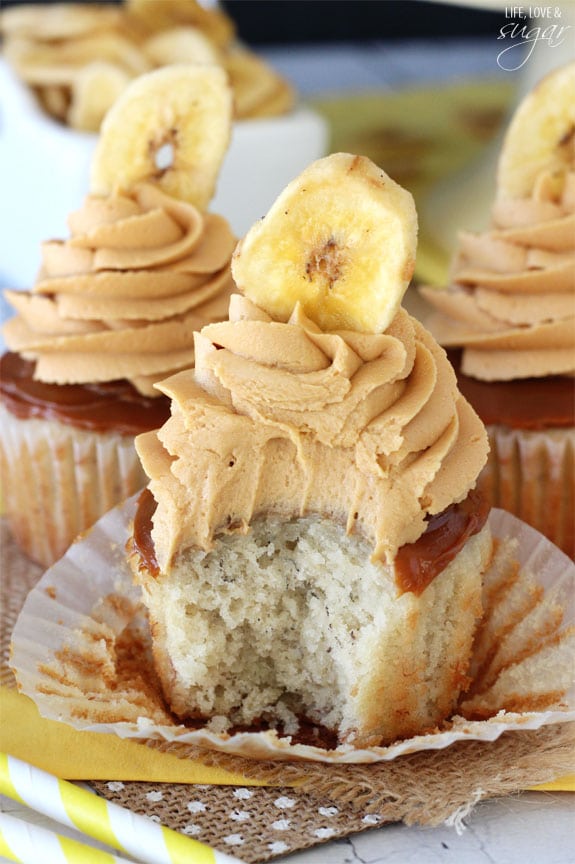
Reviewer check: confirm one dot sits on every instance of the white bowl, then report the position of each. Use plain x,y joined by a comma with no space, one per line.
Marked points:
44,171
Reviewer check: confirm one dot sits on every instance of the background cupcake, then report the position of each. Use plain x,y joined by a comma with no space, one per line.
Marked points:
510,307
114,308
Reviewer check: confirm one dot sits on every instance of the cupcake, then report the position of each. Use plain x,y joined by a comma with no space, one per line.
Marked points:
114,309
508,315
310,548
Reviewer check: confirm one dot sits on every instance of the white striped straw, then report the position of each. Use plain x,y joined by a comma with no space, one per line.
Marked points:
109,823
31,844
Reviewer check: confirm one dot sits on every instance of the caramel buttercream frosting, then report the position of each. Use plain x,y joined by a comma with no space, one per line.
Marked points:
510,303
123,295
368,429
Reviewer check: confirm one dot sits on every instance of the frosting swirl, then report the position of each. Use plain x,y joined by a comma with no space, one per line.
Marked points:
511,299
284,418
122,297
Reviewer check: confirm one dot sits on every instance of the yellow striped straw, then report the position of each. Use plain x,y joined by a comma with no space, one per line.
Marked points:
117,827
30,844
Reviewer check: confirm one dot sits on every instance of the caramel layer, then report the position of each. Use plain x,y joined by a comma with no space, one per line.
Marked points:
113,406
141,541
525,403
416,564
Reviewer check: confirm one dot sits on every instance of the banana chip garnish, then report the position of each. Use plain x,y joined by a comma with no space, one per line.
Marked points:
172,127
540,137
340,240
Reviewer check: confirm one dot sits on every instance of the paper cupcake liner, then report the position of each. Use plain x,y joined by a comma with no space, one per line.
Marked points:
532,475
58,480
81,651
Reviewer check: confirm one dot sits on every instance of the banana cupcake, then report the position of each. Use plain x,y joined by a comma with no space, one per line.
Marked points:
508,315
310,547
114,309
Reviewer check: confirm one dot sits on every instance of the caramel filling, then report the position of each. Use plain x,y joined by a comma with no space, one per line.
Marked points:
416,564
141,541
111,406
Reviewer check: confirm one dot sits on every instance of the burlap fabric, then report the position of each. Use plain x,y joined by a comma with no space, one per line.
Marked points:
258,824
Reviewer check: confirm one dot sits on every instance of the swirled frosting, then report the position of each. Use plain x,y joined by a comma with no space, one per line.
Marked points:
283,418
123,295
511,298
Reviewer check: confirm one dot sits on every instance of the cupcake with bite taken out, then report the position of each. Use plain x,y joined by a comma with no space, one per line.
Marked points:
508,315
114,309
310,546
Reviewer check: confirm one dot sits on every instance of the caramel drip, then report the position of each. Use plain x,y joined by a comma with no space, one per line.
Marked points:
416,565
112,406
141,541
527,403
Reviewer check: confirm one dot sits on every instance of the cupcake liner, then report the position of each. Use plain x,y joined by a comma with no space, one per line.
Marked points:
58,480
81,651
532,475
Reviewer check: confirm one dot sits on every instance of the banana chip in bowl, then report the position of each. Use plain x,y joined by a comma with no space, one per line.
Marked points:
63,68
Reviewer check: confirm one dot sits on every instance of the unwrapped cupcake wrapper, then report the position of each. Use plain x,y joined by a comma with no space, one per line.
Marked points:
58,480
532,475
81,651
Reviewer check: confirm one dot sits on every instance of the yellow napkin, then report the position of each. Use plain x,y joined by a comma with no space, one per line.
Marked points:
74,755
562,784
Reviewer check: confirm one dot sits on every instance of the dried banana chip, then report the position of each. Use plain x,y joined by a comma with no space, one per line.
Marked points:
95,88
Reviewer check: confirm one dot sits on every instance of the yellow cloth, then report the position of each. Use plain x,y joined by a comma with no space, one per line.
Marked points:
74,755
562,784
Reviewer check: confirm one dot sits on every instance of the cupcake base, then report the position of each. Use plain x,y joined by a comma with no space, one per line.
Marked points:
293,621
57,480
532,475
